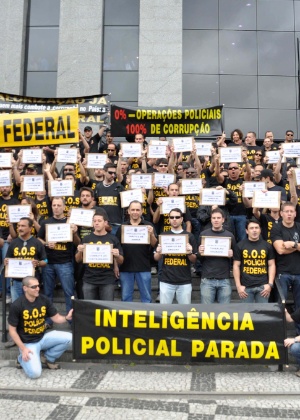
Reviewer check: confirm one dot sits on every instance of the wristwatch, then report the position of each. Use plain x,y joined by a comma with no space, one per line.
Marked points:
271,285
295,245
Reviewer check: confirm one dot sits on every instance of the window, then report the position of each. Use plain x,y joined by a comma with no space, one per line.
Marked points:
42,48
121,50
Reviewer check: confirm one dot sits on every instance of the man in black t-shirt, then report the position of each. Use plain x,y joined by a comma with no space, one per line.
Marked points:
285,236
27,327
107,196
5,200
293,344
215,281
254,266
59,255
176,271
99,277
233,182
137,263
25,247
87,202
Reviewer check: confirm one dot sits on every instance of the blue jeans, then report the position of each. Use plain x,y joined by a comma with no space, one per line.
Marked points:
16,289
295,351
143,281
167,292
7,280
292,281
98,291
238,224
65,274
114,229
254,295
53,344
215,290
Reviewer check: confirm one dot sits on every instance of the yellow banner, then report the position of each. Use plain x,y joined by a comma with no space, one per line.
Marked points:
39,128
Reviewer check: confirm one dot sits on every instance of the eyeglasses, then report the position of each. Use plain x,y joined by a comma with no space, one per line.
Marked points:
35,286
163,166
112,173
233,167
174,217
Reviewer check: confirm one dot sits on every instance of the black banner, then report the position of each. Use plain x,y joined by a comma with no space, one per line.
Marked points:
244,333
92,109
169,122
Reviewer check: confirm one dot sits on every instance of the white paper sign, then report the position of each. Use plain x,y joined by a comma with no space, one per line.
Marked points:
296,175
33,183
217,247
163,180
98,253
203,148
273,156
133,150
32,156
135,234
18,269
66,155
173,244
95,160
190,186
170,203
159,142
141,181
15,213
183,144
5,160
63,188
59,232
82,217
131,195
211,196
5,178
156,152
266,200
251,186
230,154
291,149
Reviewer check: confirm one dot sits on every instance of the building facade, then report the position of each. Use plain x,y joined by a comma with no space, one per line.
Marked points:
199,53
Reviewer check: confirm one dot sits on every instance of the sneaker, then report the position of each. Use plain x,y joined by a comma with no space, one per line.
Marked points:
49,365
157,300
153,270
18,365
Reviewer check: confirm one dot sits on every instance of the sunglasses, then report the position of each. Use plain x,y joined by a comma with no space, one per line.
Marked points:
258,154
112,173
233,167
163,166
35,286
190,173
111,150
289,134
174,217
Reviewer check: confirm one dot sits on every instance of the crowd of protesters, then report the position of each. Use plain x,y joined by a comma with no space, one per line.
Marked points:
264,243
